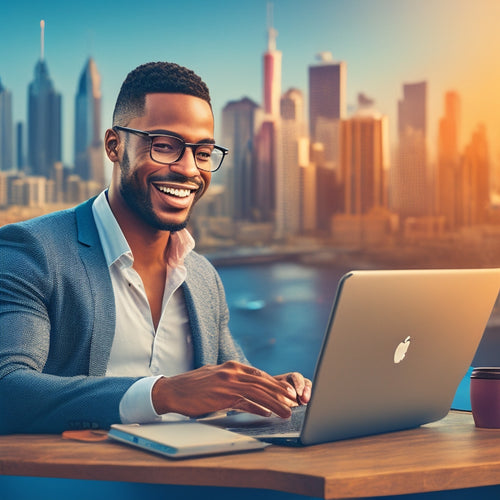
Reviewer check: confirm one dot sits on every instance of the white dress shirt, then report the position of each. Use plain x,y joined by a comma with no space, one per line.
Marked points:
138,350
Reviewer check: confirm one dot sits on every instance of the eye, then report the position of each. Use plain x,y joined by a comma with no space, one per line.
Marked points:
165,144
204,153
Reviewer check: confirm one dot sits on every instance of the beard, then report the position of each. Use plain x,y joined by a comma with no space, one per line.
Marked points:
139,199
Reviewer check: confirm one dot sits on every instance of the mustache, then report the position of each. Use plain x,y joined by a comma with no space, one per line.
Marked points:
177,178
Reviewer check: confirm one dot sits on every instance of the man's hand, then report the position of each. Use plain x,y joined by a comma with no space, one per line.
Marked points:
231,385
301,385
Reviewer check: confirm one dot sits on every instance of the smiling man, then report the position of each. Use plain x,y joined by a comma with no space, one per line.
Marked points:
107,314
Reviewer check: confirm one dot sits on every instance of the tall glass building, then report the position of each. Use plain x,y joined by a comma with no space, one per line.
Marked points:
44,123
89,160
327,105
413,195
6,139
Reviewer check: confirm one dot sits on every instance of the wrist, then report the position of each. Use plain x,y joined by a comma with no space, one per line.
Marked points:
160,396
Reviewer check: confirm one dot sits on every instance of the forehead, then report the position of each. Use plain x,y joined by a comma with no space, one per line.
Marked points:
184,114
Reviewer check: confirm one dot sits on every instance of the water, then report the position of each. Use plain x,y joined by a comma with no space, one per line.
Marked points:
279,312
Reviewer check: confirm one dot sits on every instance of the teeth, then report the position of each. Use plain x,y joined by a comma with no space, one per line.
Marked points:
181,193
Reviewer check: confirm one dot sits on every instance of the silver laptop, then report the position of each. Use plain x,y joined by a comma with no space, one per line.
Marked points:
397,345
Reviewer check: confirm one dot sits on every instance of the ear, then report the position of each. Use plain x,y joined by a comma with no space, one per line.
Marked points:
111,143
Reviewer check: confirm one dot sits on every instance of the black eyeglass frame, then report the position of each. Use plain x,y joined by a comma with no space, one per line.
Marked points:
193,146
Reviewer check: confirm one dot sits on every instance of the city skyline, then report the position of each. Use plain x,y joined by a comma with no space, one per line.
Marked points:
384,43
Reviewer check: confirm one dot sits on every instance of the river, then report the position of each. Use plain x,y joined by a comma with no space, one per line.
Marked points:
279,312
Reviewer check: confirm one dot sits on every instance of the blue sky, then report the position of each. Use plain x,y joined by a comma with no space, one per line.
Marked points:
453,44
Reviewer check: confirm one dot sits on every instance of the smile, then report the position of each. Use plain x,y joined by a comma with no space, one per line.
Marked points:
179,193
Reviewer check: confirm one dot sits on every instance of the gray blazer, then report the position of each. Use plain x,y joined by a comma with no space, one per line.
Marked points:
57,322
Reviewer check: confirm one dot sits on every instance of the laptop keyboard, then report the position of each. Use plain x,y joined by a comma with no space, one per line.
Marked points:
274,425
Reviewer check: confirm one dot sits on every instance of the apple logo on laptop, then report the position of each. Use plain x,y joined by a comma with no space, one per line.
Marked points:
400,352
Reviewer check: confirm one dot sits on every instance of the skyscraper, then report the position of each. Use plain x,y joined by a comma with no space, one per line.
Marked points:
265,145
272,71
448,162
20,140
89,160
412,109
327,104
238,130
294,155
412,196
268,135
6,138
475,175
309,197
44,120
363,158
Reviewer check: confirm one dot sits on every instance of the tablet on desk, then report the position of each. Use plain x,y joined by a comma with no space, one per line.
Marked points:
183,439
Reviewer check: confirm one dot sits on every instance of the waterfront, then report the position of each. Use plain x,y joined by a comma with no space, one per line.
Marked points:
279,311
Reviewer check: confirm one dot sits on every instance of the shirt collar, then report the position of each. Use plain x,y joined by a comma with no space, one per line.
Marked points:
112,239
180,244
115,246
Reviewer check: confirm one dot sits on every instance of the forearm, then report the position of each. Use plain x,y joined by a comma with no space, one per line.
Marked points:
33,402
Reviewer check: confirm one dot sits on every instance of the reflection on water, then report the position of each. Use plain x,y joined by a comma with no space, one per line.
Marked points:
279,312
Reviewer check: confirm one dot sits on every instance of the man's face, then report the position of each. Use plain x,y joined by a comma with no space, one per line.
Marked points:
163,195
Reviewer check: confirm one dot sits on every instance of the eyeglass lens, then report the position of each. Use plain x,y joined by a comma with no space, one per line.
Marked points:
168,149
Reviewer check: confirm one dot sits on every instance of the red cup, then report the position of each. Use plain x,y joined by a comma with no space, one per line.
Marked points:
485,397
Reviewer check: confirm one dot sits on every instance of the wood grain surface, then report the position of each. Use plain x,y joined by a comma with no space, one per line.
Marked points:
445,455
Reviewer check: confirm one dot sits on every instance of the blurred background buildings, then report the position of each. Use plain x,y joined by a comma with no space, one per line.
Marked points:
302,169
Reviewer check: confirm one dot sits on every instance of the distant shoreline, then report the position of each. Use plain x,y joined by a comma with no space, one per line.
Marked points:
429,256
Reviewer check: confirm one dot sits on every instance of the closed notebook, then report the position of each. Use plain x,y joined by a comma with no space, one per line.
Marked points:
183,439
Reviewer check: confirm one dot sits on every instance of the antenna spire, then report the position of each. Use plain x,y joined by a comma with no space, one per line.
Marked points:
42,39
271,32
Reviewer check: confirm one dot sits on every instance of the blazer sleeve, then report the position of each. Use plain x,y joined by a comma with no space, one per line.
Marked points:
44,342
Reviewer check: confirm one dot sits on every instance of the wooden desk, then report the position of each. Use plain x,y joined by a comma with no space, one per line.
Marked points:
446,455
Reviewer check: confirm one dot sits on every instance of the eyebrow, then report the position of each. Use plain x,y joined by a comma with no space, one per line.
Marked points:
174,134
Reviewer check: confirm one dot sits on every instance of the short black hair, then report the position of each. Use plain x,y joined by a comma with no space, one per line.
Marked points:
154,78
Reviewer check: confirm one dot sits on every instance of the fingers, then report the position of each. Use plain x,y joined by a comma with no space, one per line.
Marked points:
260,379
216,387
262,391
247,405
305,397
301,385
250,406
256,399
277,394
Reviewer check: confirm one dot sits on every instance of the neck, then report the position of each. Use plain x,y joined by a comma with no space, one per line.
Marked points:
146,243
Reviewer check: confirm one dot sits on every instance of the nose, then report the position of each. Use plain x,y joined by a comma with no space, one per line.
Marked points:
186,164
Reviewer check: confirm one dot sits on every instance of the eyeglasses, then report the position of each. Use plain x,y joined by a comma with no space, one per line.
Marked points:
168,149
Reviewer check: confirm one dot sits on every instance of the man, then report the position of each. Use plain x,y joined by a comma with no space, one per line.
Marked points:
106,313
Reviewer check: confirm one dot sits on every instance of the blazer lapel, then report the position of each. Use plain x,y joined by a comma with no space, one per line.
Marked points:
104,314
201,344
